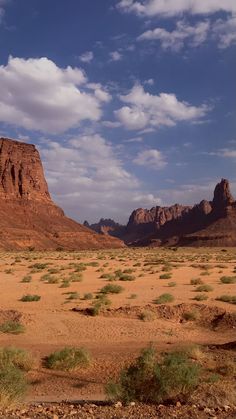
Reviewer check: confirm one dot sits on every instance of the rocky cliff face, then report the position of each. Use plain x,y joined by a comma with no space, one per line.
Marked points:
28,216
21,172
107,227
213,221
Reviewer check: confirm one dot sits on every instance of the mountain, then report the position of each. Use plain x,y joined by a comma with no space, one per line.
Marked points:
209,223
107,227
28,216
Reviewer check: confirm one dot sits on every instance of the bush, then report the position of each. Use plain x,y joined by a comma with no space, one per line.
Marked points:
68,359
12,327
165,276
164,298
153,381
172,284
196,281
228,279
30,297
190,315
200,297
227,299
26,279
111,289
204,288
13,387
15,357
147,315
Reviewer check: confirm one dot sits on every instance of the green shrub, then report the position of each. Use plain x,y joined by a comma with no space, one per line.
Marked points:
26,279
164,298
30,297
147,315
204,288
228,279
111,289
196,281
190,315
200,297
18,358
165,276
153,381
227,299
13,327
88,296
13,387
68,359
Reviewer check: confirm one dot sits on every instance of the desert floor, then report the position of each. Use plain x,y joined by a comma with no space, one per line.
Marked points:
63,280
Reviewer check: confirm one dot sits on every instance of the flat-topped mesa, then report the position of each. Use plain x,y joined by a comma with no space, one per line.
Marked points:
21,172
222,196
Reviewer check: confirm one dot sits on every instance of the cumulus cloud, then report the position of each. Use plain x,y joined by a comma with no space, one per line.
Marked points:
147,111
87,57
89,180
115,56
166,8
36,94
175,40
152,159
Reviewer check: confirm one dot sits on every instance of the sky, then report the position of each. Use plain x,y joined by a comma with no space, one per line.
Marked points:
131,103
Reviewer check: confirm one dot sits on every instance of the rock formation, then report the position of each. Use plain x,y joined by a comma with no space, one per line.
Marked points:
28,216
205,224
107,227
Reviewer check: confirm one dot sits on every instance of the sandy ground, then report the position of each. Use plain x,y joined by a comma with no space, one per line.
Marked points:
112,339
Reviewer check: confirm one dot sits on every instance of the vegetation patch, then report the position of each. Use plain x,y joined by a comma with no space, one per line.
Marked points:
68,359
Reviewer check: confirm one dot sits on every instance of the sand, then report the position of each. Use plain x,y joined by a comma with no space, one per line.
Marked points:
113,338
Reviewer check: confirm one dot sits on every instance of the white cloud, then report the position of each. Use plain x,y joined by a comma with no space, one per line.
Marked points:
87,57
225,31
89,180
175,39
152,159
134,140
115,56
166,8
38,95
147,111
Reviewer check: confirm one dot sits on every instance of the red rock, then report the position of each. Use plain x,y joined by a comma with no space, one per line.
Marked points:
28,216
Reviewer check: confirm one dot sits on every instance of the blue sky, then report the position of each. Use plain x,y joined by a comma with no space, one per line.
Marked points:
131,102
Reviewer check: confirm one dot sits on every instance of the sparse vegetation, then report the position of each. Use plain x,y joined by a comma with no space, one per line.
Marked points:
30,297
204,288
164,298
12,327
68,359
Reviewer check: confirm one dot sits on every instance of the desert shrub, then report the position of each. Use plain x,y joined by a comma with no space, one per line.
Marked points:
190,315
200,297
204,288
164,298
30,297
88,296
15,357
73,296
26,279
150,380
65,283
147,315
39,266
68,359
13,327
228,279
196,281
101,302
227,299
111,289
165,276
13,386
172,284
132,296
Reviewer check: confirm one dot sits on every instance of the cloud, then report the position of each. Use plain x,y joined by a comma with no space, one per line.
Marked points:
224,152
36,94
147,111
2,10
115,56
151,159
167,8
88,179
174,40
134,140
87,57
225,31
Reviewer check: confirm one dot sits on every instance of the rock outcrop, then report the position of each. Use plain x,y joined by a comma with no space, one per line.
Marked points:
209,223
28,216
107,227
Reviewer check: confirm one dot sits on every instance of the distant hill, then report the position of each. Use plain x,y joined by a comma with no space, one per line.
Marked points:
28,216
209,223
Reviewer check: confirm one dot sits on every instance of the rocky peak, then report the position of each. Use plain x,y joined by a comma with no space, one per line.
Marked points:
222,195
21,172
